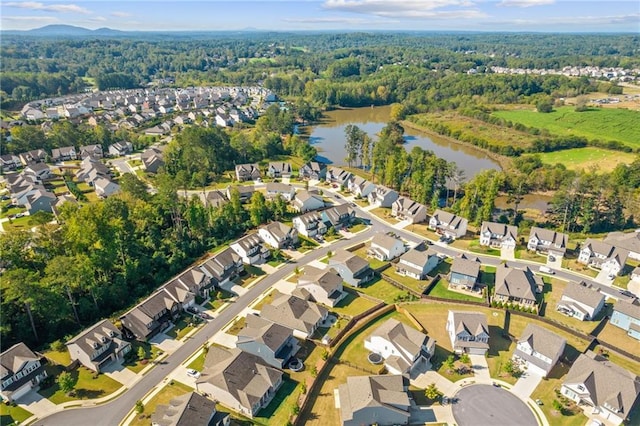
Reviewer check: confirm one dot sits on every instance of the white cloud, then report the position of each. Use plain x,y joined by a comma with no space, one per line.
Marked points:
60,8
121,14
98,19
566,21
525,3
416,9
337,20
40,19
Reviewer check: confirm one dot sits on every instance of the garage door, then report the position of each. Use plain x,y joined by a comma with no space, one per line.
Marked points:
22,391
476,351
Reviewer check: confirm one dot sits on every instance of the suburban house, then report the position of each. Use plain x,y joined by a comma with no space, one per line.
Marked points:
385,247
300,315
628,241
20,371
538,349
353,269
92,169
382,196
9,162
283,189
39,200
94,151
279,169
150,316
468,332
402,347
338,176
251,249
40,170
603,256
448,224
320,286
98,345
33,156
239,380
380,400
152,159
340,216
517,286
581,301
360,187
244,192
278,235
313,170
119,149
417,263
223,267
213,198
63,154
627,317
305,201
465,273
272,342
190,409
547,241
310,224
105,187
406,209
246,172
601,387
187,285
498,235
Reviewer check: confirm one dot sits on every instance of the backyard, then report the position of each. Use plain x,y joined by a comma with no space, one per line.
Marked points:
373,262
352,304
380,289
546,393
88,386
554,289
441,289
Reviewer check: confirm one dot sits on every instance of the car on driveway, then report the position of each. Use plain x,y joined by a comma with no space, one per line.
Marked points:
193,373
205,315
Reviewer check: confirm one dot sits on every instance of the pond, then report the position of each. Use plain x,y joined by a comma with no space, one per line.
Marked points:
329,138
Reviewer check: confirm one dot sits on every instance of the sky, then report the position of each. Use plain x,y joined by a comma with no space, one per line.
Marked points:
286,15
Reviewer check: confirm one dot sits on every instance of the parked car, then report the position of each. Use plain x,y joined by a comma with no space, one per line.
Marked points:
205,315
546,270
193,373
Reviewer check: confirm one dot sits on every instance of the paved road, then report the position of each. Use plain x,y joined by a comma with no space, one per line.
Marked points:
485,405
112,413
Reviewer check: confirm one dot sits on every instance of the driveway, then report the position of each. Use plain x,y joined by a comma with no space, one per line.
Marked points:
507,254
37,404
602,278
480,368
120,373
166,343
526,384
486,405
634,287
419,415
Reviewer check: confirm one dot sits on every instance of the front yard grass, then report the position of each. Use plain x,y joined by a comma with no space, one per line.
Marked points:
183,326
546,393
237,326
441,289
380,289
163,397
86,386
525,254
218,298
384,213
137,365
574,265
10,414
352,305
198,363
250,274
277,257
266,299
18,224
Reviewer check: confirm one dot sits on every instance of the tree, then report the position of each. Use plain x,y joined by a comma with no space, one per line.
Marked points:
353,144
130,184
139,407
303,387
449,362
432,392
258,211
66,382
544,106
464,358
142,353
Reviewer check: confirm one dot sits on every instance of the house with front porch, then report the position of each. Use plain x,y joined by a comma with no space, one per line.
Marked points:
627,317
547,241
382,196
465,273
245,172
604,256
119,149
20,371
320,286
580,301
313,170
223,267
310,224
65,153
603,389
340,216
274,343
385,247
353,269
402,347
517,287
448,224
339,176
285,190
360,187
183,288
251,249
629,241
300,315
94,151
98,345
279,169
468,332
417,263
305,201
239,380
278,235
150,316
538,349
498,235
406,209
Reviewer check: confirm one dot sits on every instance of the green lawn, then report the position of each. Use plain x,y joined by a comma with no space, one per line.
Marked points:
280,409
9,211
61,358
618,338
215,303
546,392
183,326
163,397
10,414
266,299
277,259
136,365
21,223
441,289
380,289
306,244
596,123
525,254
352,305
553,292
619,360
87,387
384,213
198,363
412,283
603,160
237,326
373,262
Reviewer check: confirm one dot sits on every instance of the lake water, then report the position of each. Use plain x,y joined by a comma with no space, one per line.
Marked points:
329,138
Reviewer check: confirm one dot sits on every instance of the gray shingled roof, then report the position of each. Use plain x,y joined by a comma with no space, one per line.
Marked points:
190,409
326,279
351,261
13,358
630,309
294,312
514,282
403,336
583,294
500,229
264,331
542,341
385,241
629,241
464,265
362,392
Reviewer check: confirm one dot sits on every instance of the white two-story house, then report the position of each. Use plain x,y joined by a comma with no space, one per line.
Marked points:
603,256
448,224
538,349
498,235
20,371
250,249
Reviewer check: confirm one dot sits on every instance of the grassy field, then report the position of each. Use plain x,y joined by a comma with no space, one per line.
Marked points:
60,358
86,386
13,415
441,289
603,160
380,289
163,397
352,305
552,298
596,123
618,338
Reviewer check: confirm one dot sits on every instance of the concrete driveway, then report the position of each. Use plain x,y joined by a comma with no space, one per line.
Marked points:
526,384
634,287
603,278
419,415
120,373
37,404
480,368
166,343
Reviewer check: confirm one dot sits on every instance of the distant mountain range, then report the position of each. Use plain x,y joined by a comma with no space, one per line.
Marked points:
66,30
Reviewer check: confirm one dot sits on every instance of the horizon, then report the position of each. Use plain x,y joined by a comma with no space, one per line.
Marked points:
529,16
